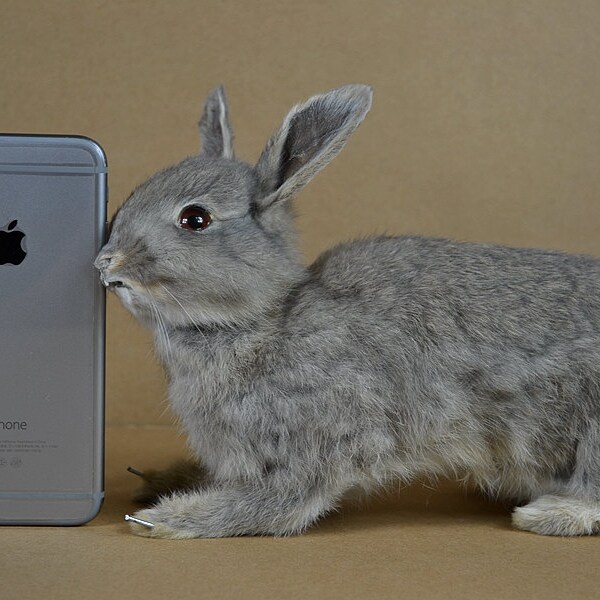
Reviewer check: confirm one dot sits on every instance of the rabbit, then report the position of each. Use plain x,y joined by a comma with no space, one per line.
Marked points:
386,360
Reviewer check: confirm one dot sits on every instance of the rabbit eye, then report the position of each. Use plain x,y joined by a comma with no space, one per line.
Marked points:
194,218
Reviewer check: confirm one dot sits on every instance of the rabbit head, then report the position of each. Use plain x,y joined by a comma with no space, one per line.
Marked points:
211,240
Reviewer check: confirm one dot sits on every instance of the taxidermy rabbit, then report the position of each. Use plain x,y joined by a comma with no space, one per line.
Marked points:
387,359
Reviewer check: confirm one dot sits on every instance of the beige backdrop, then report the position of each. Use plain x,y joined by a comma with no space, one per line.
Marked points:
485,123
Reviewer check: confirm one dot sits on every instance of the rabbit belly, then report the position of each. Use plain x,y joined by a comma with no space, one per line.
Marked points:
504,469
518,428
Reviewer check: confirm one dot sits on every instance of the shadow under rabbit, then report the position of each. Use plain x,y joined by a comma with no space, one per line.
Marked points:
447,504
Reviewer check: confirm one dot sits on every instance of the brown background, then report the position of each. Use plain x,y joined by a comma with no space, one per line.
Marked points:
485,126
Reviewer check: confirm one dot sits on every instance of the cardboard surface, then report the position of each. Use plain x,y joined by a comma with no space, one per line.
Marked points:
485,126
417,543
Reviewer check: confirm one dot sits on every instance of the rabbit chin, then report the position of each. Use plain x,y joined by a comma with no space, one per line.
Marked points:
155,311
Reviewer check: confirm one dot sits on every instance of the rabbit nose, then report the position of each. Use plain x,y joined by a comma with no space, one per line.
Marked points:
109,260
103,261
108,264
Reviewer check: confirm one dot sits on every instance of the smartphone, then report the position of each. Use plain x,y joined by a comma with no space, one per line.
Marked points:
53,195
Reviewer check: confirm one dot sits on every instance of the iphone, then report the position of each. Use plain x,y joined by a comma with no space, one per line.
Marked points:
53,195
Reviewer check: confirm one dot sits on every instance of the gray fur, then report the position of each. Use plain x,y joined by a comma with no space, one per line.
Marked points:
387,359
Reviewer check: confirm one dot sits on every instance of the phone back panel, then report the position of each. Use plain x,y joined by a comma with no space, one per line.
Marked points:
52,223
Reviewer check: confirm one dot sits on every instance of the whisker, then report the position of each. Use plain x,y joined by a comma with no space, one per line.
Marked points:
161,327
165,340
184,310
165,334
159,330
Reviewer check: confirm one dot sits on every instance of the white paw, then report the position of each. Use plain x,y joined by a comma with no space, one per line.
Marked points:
559,515
151,523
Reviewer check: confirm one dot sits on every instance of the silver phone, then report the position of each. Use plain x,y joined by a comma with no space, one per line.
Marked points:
53,196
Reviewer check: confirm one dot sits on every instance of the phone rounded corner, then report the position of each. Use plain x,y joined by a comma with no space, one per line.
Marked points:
92,513
94,149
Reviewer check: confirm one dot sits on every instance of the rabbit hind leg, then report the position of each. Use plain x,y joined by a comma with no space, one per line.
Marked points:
559,515
573,506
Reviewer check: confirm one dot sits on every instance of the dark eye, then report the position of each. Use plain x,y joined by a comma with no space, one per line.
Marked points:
195,218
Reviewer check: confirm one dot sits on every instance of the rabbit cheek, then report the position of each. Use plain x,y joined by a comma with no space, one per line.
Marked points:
124,295
128,298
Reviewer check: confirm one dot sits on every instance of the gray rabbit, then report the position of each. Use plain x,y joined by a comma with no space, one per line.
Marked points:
389,358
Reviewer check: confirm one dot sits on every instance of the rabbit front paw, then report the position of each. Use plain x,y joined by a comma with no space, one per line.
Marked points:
180,516
228,512
156,524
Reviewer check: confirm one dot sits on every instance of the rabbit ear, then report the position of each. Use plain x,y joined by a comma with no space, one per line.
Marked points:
215,131
311,135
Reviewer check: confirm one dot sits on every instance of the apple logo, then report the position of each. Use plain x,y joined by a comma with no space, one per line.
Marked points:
11,250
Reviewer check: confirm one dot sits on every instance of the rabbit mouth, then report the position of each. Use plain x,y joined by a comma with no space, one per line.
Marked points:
112,284
119,287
